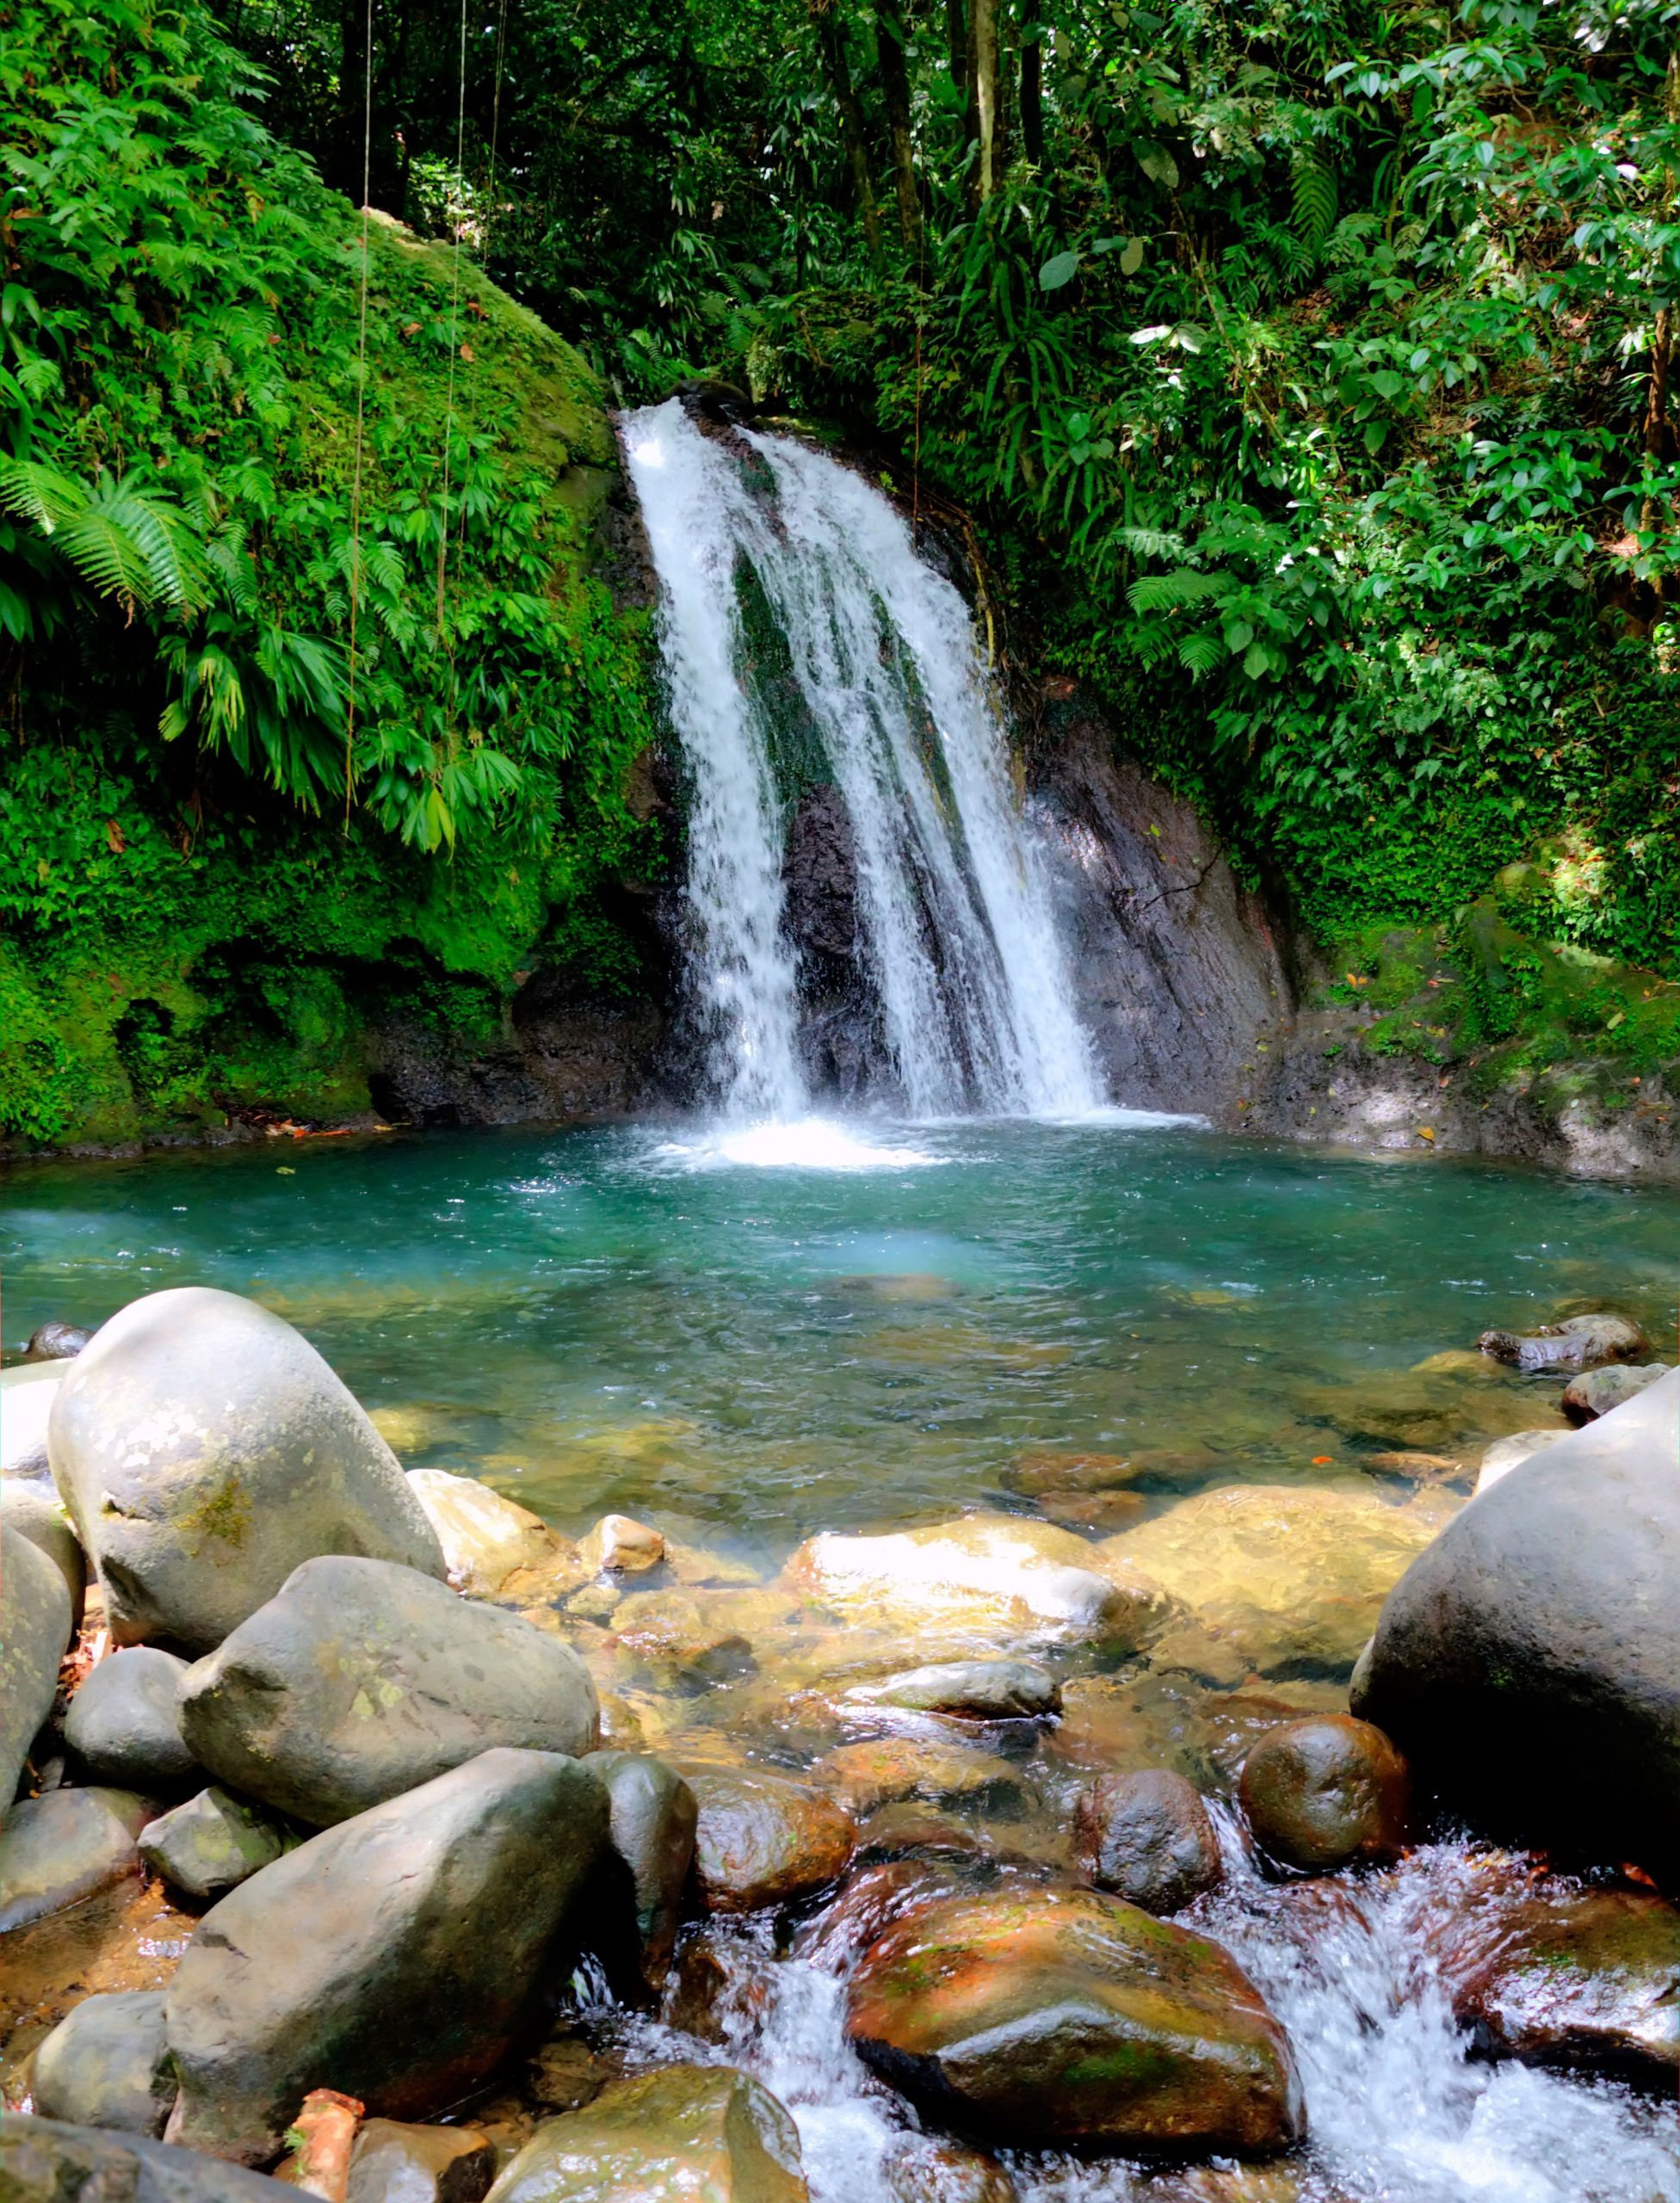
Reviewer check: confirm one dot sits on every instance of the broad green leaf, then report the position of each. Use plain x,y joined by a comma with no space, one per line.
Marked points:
1062,269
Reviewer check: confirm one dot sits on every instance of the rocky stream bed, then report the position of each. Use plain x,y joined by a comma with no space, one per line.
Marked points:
371,1834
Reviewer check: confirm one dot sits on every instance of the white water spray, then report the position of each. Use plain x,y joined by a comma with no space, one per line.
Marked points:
973,984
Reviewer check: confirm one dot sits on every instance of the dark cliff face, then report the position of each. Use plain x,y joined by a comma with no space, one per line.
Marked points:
1179,972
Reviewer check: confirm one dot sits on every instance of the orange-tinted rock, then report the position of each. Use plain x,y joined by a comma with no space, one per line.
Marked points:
918,2170
887,1770
1327,1792
762,1840
1146,1836
1059,2017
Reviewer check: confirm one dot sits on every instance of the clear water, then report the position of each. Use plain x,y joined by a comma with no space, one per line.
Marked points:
753,1336
868,676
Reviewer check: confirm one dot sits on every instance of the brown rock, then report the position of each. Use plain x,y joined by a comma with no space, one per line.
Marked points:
1146,1836
1325,1793
681,1638
762,1840
622,1546
886,1770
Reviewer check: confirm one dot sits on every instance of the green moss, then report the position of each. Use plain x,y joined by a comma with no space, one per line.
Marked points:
224,1514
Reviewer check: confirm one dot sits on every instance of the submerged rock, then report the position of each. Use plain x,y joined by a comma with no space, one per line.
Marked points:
1290,1577
685,2131
621,1547
204,1449
993,1577
395,2163
1054,2017
680,1637
212,1844
362,1679
1597,1390
1146,1836
1577,1978
1578,1342
974,1690
34,1629
123,1723
48,2161
1508,1454
398,1957
762,1840
106,2064
918,2170
887,1770
484,1537
653,1817
1528,1663
1325,1793
57,1850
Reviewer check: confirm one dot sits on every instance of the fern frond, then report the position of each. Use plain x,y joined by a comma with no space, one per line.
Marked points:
1200,653
1165,592
1313,192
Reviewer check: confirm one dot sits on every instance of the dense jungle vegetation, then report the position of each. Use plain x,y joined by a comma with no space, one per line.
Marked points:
1305,374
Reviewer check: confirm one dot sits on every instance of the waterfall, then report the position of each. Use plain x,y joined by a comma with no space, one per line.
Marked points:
953,907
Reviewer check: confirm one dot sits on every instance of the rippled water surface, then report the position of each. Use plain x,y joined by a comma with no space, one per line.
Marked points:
631,1319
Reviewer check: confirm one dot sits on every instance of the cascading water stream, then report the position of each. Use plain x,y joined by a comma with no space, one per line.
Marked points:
972,986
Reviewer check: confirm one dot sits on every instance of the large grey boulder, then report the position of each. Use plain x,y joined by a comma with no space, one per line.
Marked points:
397,1958
213,1843
34,1629
653,1819
30,1505
65,1846
1529,1661
124,1724
106,2064
204,1449
361,1679
45,2161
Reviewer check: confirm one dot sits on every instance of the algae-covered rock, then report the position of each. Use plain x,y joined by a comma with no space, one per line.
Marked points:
397,1958
212,1844
57,1850
762,1840
684,2134
34,1629
361,1679
204,1450
49,2161
31,1506
883,1769
106,2064
1054,2017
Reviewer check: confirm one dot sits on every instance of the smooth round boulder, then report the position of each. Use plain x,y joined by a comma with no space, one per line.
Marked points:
123,1723
1595,1391
106,2064
1146,1836
31,1506
397,1958
57,1850
1061,2018
56,1341
1528,1663
49,2161
761,1840
1327,1791
361,1679
204,1449
212,1844
653,1817
682,2132
969,1690
1578,1342
34,1629
393,2162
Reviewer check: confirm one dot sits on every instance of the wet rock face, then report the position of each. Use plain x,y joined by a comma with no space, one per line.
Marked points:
394,2163
971,1690
653,1817
1146,1837
34,1629
212,1844
918,2170
1528,1661
204,1449
361,1679
398,1957
1177,969
1578,1342
1327,1793
58,1849
686,2130
1573,1977
48,2161
762,1840
124,1724
1056,2017
106,2064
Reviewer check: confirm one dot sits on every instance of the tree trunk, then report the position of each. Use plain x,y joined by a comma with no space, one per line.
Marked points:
956,39
895,98
983,41
831,44
1032,103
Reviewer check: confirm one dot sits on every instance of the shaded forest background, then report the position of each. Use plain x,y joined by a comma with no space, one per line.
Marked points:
1304,373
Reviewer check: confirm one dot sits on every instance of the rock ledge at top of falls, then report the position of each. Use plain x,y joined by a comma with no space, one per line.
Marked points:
982,1580
205,1450
1529,1661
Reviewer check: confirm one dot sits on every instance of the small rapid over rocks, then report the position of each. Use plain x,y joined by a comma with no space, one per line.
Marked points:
806,644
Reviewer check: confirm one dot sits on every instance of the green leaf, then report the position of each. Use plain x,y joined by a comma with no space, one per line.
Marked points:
1387,383
1257,662
1376,434
1132,259
1060,270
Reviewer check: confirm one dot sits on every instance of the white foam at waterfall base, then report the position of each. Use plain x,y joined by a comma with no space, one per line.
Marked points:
803,1143
1397,2111
973,985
